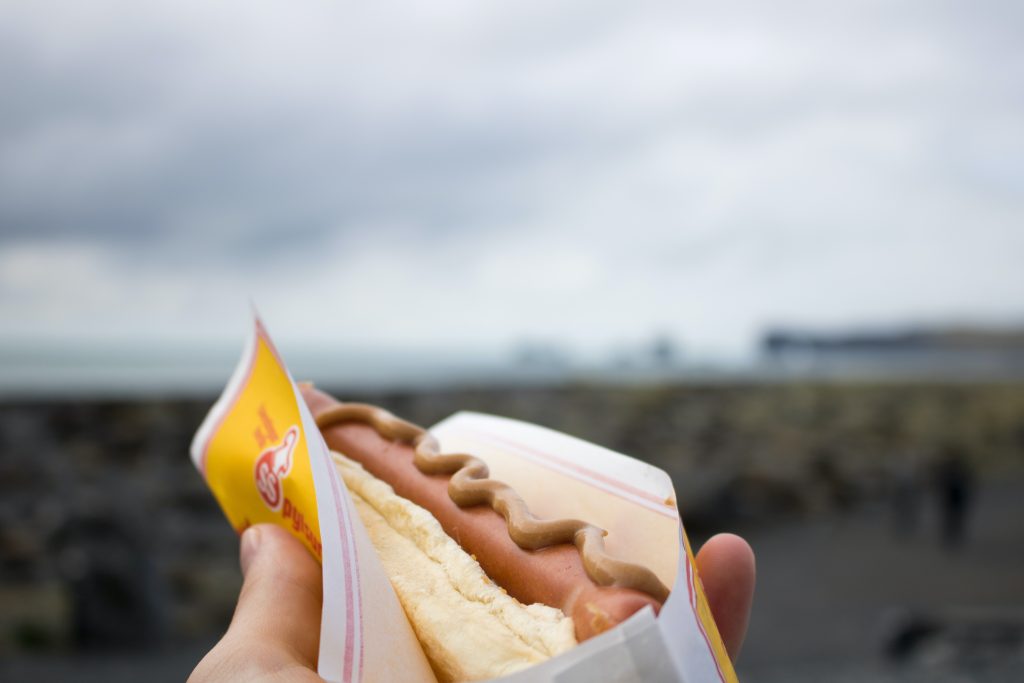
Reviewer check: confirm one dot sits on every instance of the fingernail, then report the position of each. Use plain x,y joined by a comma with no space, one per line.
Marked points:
249,545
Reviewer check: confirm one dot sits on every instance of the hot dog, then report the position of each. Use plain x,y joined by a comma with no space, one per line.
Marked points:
559,563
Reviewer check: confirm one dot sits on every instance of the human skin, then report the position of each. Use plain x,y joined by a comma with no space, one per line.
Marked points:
274,635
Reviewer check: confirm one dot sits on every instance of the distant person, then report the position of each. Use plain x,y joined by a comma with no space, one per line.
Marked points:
954,489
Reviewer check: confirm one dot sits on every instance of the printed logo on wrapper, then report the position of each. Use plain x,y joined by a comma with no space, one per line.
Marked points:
263,458
273,466
252,451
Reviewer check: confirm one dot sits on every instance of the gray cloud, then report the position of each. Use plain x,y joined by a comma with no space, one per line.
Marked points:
641,167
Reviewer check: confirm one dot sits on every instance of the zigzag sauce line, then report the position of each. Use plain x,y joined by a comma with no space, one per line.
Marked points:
470,485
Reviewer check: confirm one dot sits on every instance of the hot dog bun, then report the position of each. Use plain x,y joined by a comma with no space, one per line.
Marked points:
470,628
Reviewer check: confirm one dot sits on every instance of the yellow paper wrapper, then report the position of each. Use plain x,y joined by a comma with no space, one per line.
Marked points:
265,461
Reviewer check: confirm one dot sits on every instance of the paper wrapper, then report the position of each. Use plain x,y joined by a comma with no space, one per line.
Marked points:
265,461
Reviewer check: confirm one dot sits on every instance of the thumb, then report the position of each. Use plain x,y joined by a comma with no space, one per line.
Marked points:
276,626
728,572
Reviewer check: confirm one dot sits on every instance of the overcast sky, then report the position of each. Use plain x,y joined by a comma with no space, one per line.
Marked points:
589,172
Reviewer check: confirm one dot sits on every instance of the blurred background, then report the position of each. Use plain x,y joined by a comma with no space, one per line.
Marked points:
774,248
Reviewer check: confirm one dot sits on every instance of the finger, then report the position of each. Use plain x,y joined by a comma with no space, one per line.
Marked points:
282,594
276,626
727,571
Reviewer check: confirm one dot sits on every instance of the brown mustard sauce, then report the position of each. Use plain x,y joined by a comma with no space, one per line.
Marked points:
470,485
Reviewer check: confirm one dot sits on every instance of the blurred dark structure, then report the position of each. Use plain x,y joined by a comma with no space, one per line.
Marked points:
971,352
665,351
956,639
542,355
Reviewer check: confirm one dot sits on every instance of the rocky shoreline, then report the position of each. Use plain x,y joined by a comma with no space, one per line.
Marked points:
110,541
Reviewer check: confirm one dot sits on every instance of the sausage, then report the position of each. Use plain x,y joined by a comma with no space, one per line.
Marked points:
554,575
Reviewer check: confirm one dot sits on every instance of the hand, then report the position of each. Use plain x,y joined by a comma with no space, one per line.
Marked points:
275,633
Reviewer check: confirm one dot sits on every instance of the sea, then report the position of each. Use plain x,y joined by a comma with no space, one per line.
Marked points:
97,370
